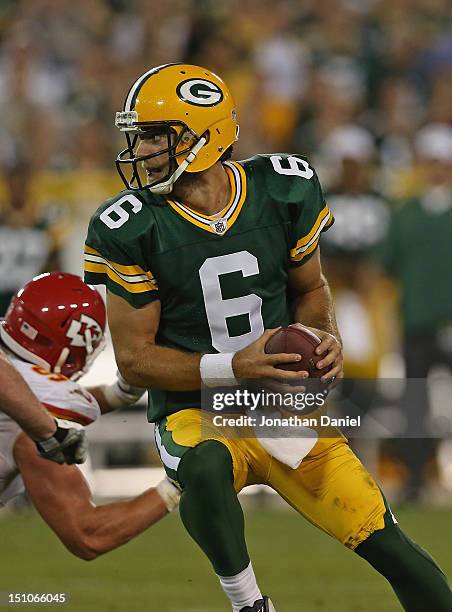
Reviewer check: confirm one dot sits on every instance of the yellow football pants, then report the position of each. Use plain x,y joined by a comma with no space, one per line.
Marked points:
331,488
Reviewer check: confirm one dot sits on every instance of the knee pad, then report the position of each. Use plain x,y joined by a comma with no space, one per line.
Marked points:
205,464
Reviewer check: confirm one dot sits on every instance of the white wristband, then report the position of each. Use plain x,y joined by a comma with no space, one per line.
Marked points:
120,393
216,370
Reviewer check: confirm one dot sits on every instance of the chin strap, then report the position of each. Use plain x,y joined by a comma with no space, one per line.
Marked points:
167,186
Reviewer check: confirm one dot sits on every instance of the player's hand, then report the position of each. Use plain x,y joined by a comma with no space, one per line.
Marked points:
98,393
169,493
67,445
117,395
333,347
253,362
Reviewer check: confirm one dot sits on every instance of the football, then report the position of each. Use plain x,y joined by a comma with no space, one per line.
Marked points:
301,341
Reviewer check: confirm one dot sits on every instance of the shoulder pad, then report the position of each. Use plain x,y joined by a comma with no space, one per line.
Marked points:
286,177
62,397
129,214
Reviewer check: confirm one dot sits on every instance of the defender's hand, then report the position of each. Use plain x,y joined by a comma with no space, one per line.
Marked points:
117,395
333,347
67,445
253,362
169,493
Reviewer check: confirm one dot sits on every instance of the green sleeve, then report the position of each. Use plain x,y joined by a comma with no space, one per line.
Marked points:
293,184
113,258
310,215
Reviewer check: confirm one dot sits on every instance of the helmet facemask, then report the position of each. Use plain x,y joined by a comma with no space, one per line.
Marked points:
92,354
192,107
181,141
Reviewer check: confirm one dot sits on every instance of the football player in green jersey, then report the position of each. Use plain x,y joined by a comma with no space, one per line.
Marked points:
198,254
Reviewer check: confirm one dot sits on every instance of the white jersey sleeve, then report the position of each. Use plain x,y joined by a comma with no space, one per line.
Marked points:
62,397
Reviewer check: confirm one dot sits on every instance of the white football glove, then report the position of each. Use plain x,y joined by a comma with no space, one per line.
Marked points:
67,445
169,493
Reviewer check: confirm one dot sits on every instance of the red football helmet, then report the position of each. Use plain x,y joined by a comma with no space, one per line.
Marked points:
56,322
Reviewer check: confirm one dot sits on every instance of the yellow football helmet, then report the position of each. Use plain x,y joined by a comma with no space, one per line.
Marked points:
192,107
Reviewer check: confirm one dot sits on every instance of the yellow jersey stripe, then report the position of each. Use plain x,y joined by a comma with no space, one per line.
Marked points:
129,278
237,178
130,270
242,198
305,253
324,213
91,251
102,268
225,210
314,240
180,211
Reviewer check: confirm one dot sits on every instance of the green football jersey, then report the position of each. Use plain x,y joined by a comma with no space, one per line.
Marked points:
221,279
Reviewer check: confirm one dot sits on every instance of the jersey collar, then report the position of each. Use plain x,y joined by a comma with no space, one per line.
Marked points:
220,223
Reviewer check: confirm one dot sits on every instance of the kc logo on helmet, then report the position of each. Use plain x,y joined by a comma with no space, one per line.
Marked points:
78,328
199,92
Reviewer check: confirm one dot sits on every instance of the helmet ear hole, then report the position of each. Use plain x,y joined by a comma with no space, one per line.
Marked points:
186,137
70,359
43,340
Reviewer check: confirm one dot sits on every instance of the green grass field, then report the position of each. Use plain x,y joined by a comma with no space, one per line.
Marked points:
162,571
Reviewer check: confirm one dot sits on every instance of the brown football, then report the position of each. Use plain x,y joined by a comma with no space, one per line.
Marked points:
301,341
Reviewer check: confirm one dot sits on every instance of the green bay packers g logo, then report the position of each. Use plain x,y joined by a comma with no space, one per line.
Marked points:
199,92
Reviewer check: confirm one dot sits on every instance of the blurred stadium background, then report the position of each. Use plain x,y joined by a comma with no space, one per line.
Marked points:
361,87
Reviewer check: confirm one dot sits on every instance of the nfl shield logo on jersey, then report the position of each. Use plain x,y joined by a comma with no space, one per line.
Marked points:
219,226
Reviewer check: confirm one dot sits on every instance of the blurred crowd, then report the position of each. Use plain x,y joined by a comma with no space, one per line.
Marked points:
361,87
297,70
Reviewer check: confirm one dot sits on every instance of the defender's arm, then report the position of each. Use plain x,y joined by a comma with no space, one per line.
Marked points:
19,402
63,499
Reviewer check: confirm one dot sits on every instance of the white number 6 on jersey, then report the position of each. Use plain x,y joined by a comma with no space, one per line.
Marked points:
294,168
121,215
218,310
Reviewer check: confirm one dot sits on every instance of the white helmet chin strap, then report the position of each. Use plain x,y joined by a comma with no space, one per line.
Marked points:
167,186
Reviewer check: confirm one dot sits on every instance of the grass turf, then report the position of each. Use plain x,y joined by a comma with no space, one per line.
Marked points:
163,571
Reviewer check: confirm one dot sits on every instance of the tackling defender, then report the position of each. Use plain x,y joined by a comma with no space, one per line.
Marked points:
55,439
198,254
52,332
